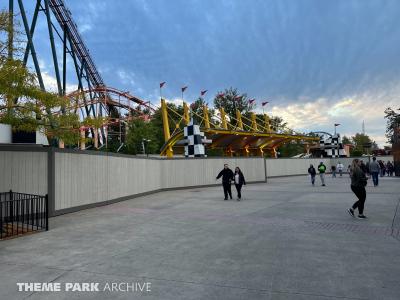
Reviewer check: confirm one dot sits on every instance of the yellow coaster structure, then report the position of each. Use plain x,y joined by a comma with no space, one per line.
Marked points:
240,136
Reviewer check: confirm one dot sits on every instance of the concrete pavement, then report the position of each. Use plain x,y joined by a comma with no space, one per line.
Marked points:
285,240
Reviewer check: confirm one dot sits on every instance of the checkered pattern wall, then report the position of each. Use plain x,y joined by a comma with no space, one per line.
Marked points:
332,146
194,141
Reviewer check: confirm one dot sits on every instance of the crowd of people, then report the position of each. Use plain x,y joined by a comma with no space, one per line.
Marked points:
358,171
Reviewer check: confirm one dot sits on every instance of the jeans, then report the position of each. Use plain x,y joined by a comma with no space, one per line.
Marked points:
333,173
375,178
239,189
322,176
361,195
340,172
227,189
312,179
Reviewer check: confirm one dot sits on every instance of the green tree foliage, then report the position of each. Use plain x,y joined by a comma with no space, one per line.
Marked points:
392,121
139,130
346,140
230,99
23,104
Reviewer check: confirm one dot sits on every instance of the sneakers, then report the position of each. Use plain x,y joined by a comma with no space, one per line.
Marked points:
225,198
361,217
323,184
351,212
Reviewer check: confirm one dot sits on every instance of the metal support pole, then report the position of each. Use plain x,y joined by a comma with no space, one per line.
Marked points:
11,28
33,26
30,42
53,47
206,118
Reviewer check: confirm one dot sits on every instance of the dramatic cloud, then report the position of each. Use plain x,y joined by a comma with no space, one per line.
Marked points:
317,62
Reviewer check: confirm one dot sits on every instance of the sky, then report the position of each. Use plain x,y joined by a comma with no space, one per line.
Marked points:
316,62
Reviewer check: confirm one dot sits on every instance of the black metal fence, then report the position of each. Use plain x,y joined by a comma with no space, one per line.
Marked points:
22,214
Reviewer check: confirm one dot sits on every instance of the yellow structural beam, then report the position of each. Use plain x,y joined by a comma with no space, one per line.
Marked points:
167,134
254,122
205,117
186,116
223,118
266,123
239,119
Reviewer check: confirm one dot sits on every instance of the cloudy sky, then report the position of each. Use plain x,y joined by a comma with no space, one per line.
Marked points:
316,62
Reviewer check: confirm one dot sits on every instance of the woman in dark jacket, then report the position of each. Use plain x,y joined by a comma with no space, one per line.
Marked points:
358,183
239,181
313,173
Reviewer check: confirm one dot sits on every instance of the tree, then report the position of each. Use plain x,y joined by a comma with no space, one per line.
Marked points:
139,132
392,121
23,104
362,143
231,100
346,140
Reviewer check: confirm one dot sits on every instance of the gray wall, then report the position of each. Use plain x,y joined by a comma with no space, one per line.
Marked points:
75,179
24,172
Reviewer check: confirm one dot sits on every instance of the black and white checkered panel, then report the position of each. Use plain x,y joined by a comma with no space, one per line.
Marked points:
194,146
333,147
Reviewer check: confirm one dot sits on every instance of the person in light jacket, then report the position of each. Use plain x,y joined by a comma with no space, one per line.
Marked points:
239,182
374,169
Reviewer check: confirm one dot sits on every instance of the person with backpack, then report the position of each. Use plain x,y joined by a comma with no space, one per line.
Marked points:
358,183
227,177
313,173
239,182
321,170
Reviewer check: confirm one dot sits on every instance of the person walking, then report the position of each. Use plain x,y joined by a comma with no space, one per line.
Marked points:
333,169
358,183
340,167
239,182
227,177
382,168
313,173
374,169
390,168
322,169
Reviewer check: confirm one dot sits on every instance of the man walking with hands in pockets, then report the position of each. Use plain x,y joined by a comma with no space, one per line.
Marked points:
227,177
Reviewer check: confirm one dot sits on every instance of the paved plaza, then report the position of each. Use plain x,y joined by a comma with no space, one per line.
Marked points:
285,240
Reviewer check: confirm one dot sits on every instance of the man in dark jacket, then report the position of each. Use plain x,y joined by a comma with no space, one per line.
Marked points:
227,177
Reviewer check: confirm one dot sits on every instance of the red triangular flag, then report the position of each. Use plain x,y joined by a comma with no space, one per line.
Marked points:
336,124
220,95
162,84
184,88
251,101
264,103
202,93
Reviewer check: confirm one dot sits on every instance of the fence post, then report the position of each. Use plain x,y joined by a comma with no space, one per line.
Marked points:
11,216
47,212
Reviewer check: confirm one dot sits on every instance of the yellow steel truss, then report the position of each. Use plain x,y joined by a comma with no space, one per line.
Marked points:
232,135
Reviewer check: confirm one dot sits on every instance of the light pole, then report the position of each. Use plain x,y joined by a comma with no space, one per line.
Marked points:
143,145
337,145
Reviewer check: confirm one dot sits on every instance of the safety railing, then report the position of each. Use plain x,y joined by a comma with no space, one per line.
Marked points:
22,214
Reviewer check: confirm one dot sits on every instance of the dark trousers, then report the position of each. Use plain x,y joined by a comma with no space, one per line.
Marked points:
239,190
227,189
375,177
361,195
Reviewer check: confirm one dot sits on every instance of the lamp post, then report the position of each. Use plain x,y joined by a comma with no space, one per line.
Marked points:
143,145
337,145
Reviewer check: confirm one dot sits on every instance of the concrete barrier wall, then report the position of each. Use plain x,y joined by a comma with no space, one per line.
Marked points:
194,172
75,179
24,172
293,166
82,179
